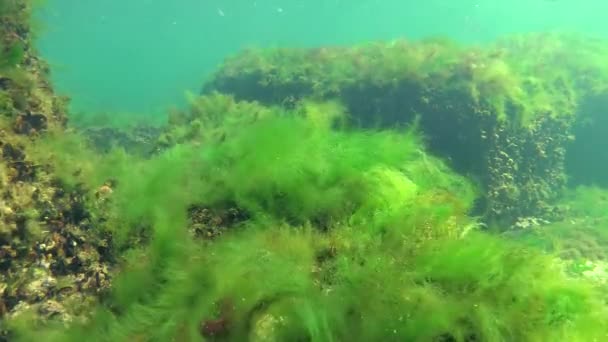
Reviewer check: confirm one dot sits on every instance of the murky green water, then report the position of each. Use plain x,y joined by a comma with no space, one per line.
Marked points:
142,55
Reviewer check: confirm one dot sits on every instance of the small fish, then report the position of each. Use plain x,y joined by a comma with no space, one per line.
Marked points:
220,12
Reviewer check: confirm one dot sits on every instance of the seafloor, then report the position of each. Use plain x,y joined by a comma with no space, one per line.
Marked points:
404,190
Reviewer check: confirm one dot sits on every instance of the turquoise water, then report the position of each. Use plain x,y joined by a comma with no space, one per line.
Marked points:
143,55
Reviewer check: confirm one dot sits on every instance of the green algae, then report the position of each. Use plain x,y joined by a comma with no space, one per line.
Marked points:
476,288
305,172
354,235
351,235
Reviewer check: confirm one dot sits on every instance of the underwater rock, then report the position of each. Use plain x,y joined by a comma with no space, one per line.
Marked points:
485,110
526,170
47,249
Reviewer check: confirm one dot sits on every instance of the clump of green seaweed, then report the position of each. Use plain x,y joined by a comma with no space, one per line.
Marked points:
350,235
271,282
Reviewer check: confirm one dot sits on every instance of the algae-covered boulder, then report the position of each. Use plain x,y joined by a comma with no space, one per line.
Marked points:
502,113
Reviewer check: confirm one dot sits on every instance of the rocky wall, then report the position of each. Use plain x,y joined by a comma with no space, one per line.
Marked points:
52,260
